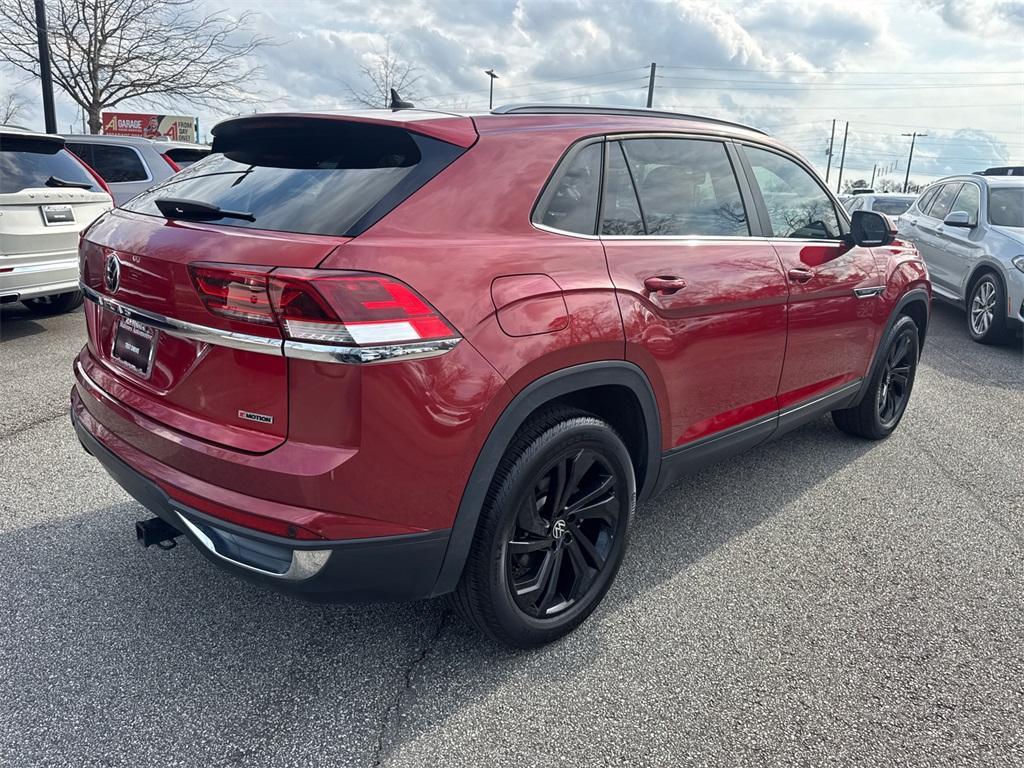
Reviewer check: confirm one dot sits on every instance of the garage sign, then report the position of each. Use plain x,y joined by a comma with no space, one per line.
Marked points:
174,127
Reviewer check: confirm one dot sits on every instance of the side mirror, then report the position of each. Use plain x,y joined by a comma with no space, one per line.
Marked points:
870,229
960,219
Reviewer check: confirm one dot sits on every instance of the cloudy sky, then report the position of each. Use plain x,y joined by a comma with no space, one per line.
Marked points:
953,69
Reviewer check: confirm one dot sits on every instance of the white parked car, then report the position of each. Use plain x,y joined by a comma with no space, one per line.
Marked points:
47,197
891,204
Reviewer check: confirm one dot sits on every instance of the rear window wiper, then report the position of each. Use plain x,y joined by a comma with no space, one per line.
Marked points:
179,208
53,181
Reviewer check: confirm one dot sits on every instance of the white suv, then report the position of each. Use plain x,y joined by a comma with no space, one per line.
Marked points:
47,197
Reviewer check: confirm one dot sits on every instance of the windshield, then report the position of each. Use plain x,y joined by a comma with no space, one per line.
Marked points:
333,178
892,207
1006,206
28,164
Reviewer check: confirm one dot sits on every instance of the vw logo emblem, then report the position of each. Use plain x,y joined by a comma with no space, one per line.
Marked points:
558,529
112,273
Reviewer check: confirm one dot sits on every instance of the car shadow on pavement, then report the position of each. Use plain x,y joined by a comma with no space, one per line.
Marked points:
104,639
950,351
16,322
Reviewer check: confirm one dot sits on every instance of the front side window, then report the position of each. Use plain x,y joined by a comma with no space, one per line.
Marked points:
797,204
968,201
892,206
570,201
944,201
686,187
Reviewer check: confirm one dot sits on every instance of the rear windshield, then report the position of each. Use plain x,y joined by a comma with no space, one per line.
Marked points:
1006,206
186,156
316,177
892,207
30,164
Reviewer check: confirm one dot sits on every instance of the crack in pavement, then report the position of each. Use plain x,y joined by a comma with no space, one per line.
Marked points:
17,431
393,715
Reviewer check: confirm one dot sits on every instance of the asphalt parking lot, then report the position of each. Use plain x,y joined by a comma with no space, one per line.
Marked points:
816,601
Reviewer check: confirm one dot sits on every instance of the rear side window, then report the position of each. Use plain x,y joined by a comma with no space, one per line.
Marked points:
186,156
927,197
686,187
569,202
115,163
621,214
797,204
31,164
321,177
968,201
944,201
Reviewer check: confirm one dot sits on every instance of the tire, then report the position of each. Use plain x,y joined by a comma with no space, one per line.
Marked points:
986,310
54,305
883,405
540,562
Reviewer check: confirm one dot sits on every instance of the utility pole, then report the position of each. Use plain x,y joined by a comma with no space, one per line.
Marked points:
650,86
842,159
831,143
49,113
913,138
490,73
874,170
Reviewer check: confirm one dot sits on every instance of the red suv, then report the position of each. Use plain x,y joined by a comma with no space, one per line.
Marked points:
394,355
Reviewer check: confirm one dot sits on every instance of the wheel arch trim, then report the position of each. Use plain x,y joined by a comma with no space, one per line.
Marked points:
535,395
914,295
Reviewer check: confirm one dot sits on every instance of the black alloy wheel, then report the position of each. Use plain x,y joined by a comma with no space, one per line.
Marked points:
894,392
565,529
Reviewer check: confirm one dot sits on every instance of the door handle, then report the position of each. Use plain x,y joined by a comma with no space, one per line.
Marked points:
665,285
800,274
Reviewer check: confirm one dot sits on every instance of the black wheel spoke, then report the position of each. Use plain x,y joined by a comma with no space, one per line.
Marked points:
582,573
530,520
578,468
539,580
605,510
529,545
550,588
899,378
586,547
603,488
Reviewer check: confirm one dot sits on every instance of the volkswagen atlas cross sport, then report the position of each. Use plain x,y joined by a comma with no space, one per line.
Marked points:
970,231
401,354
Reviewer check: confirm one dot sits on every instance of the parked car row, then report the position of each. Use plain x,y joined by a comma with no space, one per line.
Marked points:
52,188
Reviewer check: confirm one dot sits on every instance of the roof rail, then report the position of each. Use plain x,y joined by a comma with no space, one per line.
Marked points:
588,109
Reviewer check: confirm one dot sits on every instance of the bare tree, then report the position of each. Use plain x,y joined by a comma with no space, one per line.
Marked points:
12,105
106,51
386,70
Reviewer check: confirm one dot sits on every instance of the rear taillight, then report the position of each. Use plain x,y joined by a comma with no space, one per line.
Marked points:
320,307
174,166
96,177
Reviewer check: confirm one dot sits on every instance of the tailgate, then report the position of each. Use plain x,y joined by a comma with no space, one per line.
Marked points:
229,395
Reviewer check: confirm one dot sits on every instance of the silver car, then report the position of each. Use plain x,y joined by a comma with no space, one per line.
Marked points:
130,164
970,231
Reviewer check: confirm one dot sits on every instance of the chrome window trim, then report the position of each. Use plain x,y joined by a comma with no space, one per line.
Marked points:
324,353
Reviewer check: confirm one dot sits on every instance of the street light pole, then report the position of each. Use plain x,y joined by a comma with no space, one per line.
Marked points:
49,113
490,73
831,143
842,160
913,138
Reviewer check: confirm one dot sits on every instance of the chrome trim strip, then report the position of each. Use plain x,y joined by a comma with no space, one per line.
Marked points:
325,353
837,394
305,562
184,330
867,293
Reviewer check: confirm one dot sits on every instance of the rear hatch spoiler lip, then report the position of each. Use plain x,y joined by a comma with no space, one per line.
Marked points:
459,130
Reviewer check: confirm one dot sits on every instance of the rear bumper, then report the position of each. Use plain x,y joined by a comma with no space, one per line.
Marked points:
387,568
44,278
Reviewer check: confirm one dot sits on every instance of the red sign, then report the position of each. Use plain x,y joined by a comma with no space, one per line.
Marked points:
174,127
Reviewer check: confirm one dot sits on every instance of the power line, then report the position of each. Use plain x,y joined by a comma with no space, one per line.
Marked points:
813,70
